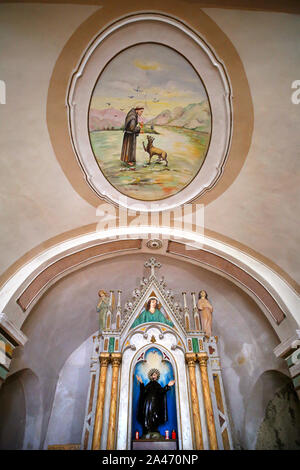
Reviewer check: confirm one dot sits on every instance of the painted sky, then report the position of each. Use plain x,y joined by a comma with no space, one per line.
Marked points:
151,74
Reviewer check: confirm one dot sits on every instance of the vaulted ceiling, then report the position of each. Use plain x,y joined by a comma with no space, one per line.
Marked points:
44,195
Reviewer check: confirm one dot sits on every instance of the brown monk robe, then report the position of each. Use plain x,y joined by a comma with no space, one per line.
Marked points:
131,131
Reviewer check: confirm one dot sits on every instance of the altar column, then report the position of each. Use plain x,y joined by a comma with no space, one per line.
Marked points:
116,359
202,358
191,362
104,361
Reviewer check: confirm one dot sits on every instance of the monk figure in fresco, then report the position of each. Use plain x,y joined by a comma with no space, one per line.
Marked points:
206,310
131,131
152,407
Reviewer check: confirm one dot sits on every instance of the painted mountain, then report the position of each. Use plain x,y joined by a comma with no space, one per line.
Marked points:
106,119
195,116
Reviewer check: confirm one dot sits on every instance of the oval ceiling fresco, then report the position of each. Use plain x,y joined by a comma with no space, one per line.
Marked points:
150,114
149,122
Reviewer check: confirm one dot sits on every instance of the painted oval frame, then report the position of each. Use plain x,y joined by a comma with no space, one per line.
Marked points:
130,31
184,130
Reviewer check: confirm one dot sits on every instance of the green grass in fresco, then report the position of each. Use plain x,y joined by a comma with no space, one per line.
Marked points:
186,151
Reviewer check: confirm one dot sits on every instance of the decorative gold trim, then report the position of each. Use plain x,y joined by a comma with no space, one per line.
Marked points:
191,362
203,358
104,361
64,447
116,359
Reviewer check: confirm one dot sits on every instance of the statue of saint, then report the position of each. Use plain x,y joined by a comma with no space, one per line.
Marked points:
152,407
206,310
102,308
151,314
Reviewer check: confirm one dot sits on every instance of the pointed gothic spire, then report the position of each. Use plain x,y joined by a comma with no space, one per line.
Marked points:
118,314
186,312
197,322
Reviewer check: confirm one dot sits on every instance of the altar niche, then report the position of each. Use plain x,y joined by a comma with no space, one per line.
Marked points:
154,332
154,413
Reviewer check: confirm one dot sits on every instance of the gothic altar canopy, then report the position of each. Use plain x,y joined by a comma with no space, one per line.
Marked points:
155,378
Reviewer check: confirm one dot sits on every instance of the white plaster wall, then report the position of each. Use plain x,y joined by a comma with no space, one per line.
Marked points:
36,198
262,392
66,316
67,415
260,208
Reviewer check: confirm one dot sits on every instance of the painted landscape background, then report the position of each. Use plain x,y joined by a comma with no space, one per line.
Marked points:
176,114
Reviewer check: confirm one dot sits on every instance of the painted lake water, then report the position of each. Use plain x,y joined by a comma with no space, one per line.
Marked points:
186,151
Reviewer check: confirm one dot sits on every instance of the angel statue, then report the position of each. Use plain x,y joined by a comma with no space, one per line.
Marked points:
151,313
206,310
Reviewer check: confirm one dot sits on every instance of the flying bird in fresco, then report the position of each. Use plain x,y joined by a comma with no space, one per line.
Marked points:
155,100
130,96
108,104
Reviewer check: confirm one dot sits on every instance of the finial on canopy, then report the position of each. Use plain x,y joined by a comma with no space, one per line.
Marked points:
152,263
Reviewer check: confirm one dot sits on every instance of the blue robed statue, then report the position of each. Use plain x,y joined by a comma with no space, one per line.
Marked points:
151,314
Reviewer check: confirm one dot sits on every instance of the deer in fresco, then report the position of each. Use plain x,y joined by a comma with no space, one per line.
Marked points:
162,155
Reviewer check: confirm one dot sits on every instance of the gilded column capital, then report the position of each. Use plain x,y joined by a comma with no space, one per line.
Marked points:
104,359
116,359
202,359
191,359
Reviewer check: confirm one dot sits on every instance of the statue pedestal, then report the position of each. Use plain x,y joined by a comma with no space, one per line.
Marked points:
147,444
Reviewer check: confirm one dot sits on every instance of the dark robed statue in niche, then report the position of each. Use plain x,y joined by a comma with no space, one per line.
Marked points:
152,407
